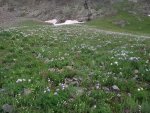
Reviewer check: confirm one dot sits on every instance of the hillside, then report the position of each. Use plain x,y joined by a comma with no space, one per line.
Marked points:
71,9
101,65
80,69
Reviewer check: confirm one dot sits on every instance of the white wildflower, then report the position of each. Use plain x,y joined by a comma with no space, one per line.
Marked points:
55,93
140,89
29,80
19,80
116,63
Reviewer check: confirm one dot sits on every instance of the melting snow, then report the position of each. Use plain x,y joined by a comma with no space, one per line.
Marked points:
53,21
67,22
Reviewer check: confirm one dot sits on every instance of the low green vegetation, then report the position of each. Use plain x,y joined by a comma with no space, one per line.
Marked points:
124,22
127,19
46,69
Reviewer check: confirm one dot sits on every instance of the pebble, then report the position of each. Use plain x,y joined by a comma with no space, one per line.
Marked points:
79,91
135,77
115,88
27,91
136,71
106,89
7,108
2,90
129,94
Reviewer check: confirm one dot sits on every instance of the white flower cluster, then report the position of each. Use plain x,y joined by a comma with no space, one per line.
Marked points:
134,58
63,86
97,86
140,89
47,89
23,80
114,63
121,54
84,46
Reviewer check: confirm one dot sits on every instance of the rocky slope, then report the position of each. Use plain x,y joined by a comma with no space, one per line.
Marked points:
65,9
45,9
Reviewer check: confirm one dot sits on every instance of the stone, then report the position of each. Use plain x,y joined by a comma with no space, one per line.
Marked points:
114,87
135,1
136,71
118,95
74,81
135,77
27,91
98,86
79,91
52,69
134,59
120,23
7,108
129,94
2,90
107,90
69,67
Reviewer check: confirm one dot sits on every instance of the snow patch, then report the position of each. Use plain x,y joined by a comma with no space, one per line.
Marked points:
67,22
53,21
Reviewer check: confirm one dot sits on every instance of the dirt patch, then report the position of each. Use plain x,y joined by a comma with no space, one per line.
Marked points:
6,18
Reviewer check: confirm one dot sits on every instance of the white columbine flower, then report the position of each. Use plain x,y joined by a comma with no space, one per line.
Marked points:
116,63
19,80
55,93
23,80
29,80
140,89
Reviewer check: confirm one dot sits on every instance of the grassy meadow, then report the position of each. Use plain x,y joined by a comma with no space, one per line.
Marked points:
130,23
73,69
128,18
77,68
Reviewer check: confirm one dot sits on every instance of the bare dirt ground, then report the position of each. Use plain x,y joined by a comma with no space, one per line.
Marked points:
6,18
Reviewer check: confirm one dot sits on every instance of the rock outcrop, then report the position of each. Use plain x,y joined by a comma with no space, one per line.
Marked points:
65,9
60,9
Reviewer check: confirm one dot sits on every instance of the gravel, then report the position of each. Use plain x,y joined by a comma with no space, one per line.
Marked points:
6,18
9,19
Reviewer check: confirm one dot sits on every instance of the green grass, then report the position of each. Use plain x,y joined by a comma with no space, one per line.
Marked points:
72,69
134,23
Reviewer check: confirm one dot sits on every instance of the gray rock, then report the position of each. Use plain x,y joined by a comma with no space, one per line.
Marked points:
114,87
135,1
107,90
129,94
73,81
120,23
136,71
98,86
69,67
7,108
79,91
27,91
134,59
135,77
118,95
2,90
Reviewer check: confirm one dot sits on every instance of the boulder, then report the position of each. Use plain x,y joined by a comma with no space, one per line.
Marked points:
7,108
115,88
